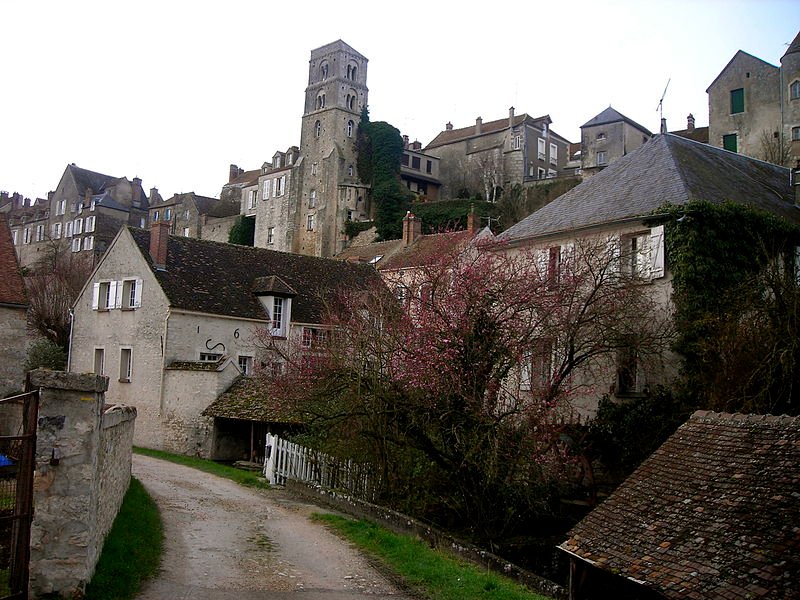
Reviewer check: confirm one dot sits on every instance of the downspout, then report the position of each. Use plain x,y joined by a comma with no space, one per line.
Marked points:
69,346
163,364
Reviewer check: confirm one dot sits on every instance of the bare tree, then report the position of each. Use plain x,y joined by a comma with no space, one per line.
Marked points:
775,148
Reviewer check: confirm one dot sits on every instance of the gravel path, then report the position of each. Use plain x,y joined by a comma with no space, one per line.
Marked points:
225,541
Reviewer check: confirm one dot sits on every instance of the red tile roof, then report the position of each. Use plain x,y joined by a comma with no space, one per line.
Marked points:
713,513
12,286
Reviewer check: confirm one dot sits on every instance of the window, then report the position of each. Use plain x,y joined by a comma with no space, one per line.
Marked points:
404,160
313,337
415,162
629,380
537,367
185,232
601,158
553,265
92,205
77,227
131,293
76,244
88,242
323,71
795,134
321,101
350,127
317,129
729,142
125,364
104,295
401,293
209,356
516,142
155,216
429,166
15,236
26,236
310,222
168,214
271,235
642,254
312,199
246,365
541,173
68,229
313,168
61,207
142,223
794,90
99,361
350,171
277,314
90,224
39,233
553,154
544,129
279,183
541,145
737,101
253,198
601,136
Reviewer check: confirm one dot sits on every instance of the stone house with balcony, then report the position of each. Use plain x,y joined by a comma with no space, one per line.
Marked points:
754,107
173,322
614,209
488,157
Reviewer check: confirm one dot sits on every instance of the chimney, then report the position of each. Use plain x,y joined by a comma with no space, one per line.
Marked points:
690,123
234,172
154,195
50,196
663,125
405,141
416,145
3,196
473,220
159,237
412,228
136,195
511,117
448,127
478,125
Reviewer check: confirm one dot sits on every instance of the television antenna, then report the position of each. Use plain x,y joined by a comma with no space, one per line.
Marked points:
660,107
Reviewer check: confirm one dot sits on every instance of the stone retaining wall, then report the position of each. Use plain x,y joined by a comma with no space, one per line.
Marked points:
83,467
401,523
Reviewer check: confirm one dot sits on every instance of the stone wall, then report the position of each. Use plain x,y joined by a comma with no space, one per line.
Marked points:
13,348
83,466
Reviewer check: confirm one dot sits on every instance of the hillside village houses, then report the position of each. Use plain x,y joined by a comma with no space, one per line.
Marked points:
172,322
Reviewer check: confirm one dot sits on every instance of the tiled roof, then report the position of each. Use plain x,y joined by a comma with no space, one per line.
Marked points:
248,400
217,278
272,285
666,169
455,135
90,179
245,179
12,286
368,253
214,207
426,249
698,134
713,513
611,115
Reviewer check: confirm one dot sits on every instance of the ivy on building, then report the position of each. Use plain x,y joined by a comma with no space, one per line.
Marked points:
451,215
243,231
735,295
380,148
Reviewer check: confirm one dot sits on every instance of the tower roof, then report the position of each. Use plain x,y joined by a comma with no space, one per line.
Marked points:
794,47
611,115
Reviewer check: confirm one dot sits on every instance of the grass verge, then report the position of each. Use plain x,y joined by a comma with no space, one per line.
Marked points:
434,574
241,477
132,550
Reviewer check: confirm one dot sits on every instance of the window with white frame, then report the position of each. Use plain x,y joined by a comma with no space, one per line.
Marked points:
542,146
39,233
312,199
76,244
265,189
68,229
253,199
185,232
313,337
277,314
270,235
88,242
536,370
142,222
246,364
540,173
99,361
311,222
642,254
553,154
131,293
77,226
26,236
516,142
601,158
210,357
279,184
15,236
104,295
90,224
125,365
796,134
61,207
168,214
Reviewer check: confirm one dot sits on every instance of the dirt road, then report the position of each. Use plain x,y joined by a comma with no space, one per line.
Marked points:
224,541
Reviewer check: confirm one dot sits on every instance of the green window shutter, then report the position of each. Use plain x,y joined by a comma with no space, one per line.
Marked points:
729,142
737,101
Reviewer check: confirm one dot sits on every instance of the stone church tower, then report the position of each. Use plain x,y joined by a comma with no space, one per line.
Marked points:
329,192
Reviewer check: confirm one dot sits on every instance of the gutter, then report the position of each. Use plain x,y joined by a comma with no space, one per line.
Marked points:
163,363
69,347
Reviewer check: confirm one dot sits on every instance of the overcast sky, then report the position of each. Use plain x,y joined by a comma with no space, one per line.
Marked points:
173,92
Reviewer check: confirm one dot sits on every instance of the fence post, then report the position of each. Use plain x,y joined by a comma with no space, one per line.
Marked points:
270,450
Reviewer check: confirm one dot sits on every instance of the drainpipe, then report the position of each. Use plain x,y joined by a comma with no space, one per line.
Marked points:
69,348
163,365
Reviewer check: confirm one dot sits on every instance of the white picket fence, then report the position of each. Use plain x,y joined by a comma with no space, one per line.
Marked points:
287,460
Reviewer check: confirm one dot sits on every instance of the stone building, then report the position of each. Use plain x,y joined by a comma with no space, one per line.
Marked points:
82,215
13,316
488,157
754,107
608,137
192,215
174,322
419,172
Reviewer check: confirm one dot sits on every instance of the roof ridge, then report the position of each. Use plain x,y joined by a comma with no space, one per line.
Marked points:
710,415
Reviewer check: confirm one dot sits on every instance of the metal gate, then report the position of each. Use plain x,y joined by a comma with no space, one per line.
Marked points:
18,416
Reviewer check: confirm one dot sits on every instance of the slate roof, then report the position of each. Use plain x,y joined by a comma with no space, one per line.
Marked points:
245,179
12,286
713,513
463,133
698,134
611,115
247,399
666,169
214,207
794,46
85,178
218,278
367,253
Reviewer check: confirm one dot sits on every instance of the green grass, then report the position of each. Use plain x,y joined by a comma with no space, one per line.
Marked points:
434,574
132,550
241,477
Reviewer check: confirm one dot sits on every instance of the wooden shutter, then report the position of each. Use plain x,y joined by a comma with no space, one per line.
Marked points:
137,300
657,252
116,294
95,296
